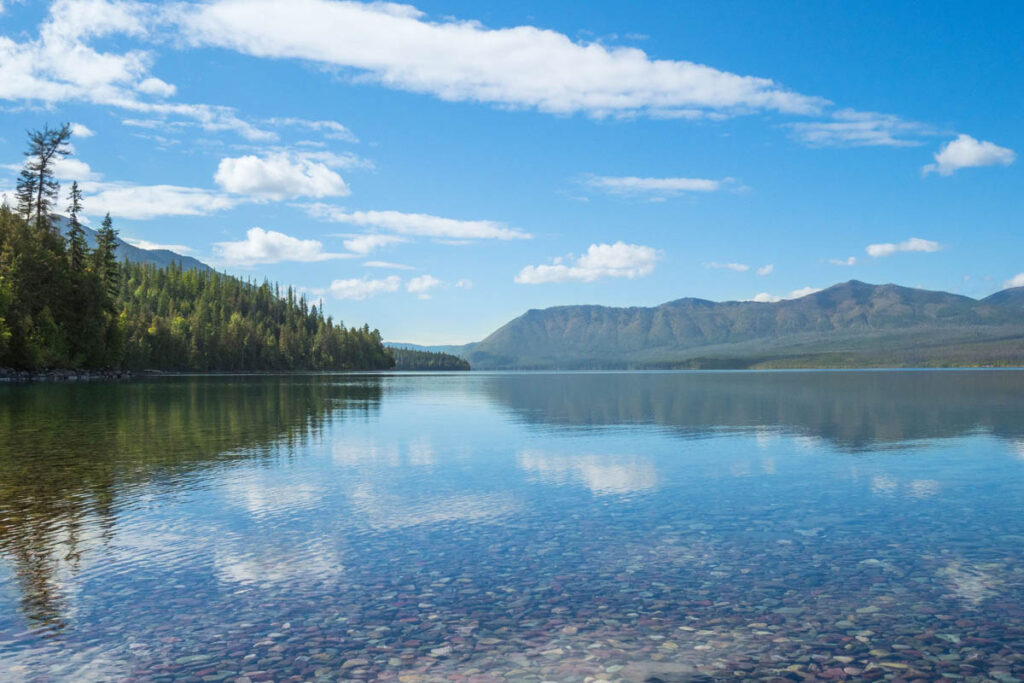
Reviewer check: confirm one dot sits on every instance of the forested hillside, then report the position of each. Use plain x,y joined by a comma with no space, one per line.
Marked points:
66,304
414,359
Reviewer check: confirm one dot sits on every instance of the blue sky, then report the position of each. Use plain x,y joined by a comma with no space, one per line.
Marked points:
436,169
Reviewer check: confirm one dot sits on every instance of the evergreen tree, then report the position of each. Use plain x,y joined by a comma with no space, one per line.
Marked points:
66,306
106,257
37,187
77,247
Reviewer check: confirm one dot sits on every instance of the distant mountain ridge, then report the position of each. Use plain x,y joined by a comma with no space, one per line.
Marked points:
127,252
852,324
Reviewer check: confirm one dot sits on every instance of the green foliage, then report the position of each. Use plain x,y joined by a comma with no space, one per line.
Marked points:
192,320
77,246
37,187
64,305
411,359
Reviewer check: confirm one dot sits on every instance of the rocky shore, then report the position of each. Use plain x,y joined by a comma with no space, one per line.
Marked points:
11,375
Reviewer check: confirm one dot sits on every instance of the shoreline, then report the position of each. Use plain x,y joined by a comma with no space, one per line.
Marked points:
11,376
56,376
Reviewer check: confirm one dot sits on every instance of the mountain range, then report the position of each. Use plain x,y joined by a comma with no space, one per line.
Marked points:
852,324
127,252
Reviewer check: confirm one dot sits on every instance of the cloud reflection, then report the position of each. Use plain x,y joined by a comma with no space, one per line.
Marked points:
603,475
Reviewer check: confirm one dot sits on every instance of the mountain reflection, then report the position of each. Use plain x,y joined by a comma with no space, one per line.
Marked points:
852,410
72,457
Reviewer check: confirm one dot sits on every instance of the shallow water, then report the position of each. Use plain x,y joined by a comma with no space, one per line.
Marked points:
529,527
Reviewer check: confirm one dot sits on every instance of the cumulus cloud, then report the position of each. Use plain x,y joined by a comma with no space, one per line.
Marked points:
70,168
364,244
849,128
599,261
418,224
80,130
270,246
654,187
422,285
524,66
738,267
143,202
157,87
1015,281
851,261
765,297
766,269
913,244
61,65
966,152
362,288
278,176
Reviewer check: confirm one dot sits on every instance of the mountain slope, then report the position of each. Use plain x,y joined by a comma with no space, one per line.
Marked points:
126,252
854,319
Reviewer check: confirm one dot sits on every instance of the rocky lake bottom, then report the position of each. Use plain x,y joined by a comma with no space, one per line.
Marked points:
578,527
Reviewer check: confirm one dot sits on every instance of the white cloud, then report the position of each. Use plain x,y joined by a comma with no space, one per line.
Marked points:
60,65
70,168
851,261
765,297
654,187
157,87
913,244
966,152
850,128
766,270
738,267
278,176
364,244
335,159
464,284
80,130
146,244
269,246
1015,281
363,288
422,285
418,224
522,67
331,129
599,261
142,202
387,264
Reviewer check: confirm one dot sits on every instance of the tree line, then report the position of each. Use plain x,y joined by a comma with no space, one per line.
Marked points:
413,359
66,305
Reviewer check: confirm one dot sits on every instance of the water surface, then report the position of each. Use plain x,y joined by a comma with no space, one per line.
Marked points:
527,527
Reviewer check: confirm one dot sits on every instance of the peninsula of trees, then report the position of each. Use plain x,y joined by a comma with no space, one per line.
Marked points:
414,359
64,304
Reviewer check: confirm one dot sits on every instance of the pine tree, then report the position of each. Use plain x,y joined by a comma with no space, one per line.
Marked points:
37,188
106,257
77,247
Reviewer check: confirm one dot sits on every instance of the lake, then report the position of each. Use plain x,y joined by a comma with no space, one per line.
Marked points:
515,527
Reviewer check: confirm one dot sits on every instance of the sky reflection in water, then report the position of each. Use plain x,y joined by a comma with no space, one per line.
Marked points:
515,527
